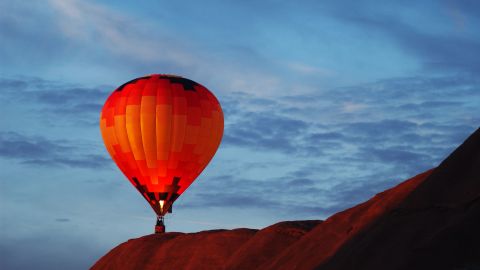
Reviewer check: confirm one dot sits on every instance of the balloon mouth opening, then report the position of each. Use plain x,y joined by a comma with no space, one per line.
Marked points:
161,203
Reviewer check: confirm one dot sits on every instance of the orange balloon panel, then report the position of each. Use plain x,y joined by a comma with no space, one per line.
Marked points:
161,131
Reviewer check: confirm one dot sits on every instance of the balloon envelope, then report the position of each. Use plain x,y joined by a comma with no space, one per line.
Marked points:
161,131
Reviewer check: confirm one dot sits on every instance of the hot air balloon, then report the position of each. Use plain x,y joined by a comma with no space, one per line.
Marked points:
161,131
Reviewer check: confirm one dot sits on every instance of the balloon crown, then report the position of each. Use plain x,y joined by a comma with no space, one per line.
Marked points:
188,84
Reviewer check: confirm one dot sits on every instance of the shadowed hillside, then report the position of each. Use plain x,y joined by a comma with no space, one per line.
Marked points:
430,221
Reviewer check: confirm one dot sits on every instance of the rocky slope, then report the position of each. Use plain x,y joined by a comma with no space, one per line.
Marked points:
437,226
431,221
239,248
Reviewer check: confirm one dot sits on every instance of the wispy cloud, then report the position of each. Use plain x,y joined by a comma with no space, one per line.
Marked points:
89,22
62,220
289,195
404,112
400,130
45,99
265,131
44,152
439,50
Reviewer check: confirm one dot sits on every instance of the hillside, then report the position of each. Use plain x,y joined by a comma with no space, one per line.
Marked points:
430,221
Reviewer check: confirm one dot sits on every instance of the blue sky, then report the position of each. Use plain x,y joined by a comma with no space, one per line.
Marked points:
326,103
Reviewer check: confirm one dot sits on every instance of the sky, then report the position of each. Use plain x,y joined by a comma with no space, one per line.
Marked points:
326,103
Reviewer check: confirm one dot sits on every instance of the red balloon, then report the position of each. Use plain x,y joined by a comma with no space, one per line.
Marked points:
161,131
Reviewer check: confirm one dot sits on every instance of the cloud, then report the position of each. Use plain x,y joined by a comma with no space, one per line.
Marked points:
234,200
62,220
287,194
381,130
401,157
363,187
36,150
350,107
86,161
29,37
265,131
439,50
14,145
325,136
301,182
138,44
398,114
337,157
305,69
87,22
64,102
87,39
404,118
301,196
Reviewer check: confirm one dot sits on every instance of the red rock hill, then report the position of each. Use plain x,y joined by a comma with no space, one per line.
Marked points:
431,221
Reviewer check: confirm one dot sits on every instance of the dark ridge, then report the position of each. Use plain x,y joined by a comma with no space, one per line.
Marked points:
435,227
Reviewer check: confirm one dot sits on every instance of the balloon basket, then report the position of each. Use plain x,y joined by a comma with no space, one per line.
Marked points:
160,226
